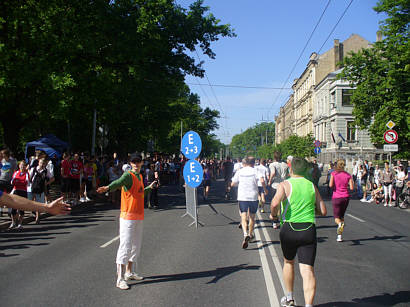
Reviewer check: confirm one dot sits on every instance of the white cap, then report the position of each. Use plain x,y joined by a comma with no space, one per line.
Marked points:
290,158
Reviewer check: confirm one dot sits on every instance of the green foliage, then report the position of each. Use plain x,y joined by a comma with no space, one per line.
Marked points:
381,76
249,141
61,59
297,146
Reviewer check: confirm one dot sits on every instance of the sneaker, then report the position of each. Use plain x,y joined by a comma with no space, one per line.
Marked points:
284,302
340,228
19,227
12,226
252,237
122,284
82,199
385,204
339,238
87,199
245,242
363,200
370,200
276,225
132,276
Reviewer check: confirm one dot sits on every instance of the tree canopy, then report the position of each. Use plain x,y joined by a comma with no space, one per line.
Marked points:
381,77
60,60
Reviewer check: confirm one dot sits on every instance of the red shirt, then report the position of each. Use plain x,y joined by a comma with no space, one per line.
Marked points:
66,166
76,168
20,180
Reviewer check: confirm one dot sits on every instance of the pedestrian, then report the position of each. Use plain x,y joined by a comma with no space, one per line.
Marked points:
207,180
377,174
340,181
227,168
131,221
89,173
299,199
247,181
6,172
152,176
387,178
404,197
263,172
76,171
19,181
399,185
65,175
363,180
39,179
279,171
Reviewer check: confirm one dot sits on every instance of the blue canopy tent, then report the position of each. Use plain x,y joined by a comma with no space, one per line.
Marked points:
50,144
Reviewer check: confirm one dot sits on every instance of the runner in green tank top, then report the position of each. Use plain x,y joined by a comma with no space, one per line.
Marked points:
299,200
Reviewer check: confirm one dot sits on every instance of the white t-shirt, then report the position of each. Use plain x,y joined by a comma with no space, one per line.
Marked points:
263,172
237,166
280,170
247,179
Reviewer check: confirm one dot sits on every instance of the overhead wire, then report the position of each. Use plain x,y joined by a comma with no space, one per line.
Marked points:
301,53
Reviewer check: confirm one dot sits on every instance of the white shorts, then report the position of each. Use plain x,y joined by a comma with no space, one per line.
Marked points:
130,241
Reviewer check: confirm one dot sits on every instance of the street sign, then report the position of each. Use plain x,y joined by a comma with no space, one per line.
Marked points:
193,173
391,136
317,150
393,147
390,124
191,145
317,143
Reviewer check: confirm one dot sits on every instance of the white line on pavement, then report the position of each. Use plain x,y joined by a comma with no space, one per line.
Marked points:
274,255
109,242
270,286
356,218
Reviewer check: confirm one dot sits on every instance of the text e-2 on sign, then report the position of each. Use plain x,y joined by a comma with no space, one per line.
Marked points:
191,145
193,173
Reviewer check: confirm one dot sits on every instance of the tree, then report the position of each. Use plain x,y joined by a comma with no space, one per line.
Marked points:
297,146
381,77
249,141
60,60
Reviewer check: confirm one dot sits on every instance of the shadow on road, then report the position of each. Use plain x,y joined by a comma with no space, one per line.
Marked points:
217,274
385,299
376,238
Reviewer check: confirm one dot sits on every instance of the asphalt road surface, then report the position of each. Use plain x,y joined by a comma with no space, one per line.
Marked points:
69,260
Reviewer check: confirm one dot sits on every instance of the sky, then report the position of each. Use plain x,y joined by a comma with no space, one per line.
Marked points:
271,36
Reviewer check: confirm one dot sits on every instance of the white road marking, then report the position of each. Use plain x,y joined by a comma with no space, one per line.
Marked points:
270,286
109,242
356,218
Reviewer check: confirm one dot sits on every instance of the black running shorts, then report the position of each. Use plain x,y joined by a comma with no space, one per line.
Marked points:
300,240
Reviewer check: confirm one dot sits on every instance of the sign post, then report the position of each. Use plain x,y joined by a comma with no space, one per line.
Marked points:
191,146
391,137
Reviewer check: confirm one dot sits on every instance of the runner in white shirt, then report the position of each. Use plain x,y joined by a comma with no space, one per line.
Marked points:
247,181
263,172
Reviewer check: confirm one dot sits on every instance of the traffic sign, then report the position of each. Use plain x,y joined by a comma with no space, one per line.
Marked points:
391,147
317,150
390,124
193,173
317,143
391,136
191,145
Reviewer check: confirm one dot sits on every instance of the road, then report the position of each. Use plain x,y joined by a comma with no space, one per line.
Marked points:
69,260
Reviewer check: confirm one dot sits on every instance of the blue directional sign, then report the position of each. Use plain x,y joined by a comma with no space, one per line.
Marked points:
193,173
317,150
191,145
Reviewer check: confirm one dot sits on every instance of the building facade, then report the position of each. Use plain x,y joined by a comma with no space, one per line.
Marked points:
321,106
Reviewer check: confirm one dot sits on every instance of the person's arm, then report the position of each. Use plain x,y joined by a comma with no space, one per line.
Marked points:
235,180
279,197
272,175
332,181
20,203
124,181
351,185
320,207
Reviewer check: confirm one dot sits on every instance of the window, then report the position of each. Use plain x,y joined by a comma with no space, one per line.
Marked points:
332,100
351,131
346,97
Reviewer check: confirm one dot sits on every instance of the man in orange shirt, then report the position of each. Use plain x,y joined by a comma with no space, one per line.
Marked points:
131,221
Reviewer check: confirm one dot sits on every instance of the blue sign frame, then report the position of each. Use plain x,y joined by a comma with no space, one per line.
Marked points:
191,145
193,173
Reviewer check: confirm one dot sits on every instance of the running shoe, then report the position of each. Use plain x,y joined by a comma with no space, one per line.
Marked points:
87,199
122,284
262,210
385,204
19,227
252,237
284,302
276,225
82,200
132,276
340,228
339,238
12,225
245,242
363,200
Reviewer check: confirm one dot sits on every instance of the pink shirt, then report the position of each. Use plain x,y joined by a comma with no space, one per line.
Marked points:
341,183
